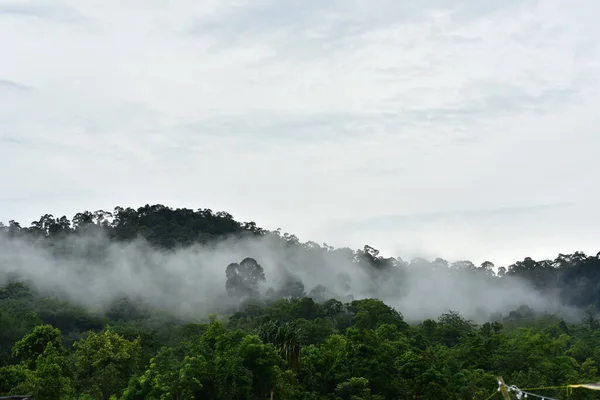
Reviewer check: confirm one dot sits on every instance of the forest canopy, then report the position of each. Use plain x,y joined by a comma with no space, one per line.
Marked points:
163,303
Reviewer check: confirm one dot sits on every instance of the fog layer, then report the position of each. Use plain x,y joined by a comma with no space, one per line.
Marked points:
92,271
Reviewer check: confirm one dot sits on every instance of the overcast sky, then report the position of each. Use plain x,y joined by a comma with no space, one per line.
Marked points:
464,129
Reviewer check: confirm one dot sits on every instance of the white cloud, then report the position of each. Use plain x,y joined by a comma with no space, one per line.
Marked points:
300,115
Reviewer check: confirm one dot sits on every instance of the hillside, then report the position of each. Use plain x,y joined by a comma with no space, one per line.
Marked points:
121,304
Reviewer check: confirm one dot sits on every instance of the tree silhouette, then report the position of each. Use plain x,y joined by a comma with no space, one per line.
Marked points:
243,279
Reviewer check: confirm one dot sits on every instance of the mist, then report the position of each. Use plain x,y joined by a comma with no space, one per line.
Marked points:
92,271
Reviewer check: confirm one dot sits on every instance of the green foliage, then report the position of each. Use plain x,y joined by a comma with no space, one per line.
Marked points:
36,343
50,380
355,389
369,313
378,356
43,370
288,344
104,362
167,377
287,338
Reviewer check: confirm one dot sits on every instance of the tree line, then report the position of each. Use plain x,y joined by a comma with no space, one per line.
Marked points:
575,277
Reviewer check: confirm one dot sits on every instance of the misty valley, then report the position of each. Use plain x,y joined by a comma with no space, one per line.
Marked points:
164,303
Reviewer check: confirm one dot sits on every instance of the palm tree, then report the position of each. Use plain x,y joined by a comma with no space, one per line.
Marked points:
287,337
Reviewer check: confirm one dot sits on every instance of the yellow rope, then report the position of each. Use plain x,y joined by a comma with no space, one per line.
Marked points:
491,395
569,390
548,388
539,388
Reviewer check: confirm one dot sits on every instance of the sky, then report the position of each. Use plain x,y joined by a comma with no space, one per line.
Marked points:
463,129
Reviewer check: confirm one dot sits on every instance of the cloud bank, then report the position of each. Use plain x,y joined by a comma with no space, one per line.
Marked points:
188,283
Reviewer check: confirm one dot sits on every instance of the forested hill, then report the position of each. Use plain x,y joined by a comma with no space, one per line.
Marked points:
116,305
575,277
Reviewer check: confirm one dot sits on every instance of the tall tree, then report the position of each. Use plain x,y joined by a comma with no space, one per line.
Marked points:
287,337
243,279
